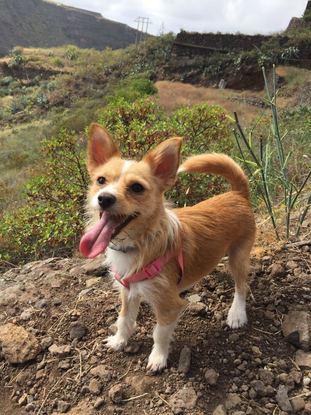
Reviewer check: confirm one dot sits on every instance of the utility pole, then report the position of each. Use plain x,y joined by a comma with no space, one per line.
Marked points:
142,28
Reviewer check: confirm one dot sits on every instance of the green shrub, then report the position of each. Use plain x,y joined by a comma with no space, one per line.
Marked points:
51,220
17,57
131,89
72,53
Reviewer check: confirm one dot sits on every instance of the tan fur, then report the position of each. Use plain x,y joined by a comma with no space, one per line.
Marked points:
206,232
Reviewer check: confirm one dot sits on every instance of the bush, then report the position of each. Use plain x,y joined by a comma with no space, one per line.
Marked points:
51,220
131,89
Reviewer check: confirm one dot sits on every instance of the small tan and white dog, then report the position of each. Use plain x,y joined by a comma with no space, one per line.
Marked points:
156,252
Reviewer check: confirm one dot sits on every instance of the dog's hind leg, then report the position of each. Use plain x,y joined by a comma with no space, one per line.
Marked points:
126,322
239,268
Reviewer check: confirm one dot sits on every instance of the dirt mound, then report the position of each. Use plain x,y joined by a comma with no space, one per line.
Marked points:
69,306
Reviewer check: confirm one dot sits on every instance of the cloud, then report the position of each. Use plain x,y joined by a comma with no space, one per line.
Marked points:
245,16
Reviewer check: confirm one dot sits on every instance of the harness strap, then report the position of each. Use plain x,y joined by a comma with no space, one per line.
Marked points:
153,269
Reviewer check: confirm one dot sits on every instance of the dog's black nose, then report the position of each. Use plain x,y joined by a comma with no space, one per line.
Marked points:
106,200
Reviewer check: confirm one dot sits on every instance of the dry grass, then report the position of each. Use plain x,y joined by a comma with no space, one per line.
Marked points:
172,95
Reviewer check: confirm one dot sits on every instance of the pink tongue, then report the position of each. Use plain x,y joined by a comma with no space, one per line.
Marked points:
96,240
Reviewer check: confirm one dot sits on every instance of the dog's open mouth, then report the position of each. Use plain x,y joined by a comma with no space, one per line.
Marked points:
96,240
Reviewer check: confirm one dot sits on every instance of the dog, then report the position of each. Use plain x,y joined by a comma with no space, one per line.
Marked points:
156,252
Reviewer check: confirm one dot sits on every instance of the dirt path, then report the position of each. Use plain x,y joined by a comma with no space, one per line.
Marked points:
69,305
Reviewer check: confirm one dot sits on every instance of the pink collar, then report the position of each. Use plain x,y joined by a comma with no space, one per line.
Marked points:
153,269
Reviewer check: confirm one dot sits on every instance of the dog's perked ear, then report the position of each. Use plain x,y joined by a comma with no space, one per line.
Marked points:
164,160
100,147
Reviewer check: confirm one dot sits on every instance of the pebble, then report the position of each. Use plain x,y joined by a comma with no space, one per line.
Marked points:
303,359
185,398
60,351
63,406
184,360
18,345
116,393
220,410
211,376
232,401
298,404
77,331
282,399
95,387
99,403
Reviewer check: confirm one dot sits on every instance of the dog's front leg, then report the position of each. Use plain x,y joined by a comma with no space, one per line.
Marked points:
126,321
167,311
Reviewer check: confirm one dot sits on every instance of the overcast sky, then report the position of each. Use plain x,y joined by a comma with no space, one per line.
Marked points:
245,16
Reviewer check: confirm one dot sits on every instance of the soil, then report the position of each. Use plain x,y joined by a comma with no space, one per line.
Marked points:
71,302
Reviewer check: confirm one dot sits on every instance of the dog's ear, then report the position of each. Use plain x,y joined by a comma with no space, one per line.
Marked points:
164,160
100,147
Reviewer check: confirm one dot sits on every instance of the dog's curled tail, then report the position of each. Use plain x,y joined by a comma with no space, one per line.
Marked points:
221,165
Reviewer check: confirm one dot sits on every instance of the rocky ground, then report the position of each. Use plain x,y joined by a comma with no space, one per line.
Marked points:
55,314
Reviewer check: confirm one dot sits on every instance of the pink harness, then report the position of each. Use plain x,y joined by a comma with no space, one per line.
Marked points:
153,269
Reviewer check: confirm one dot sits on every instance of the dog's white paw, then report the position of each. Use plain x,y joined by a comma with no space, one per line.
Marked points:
236,317
115,342
157,361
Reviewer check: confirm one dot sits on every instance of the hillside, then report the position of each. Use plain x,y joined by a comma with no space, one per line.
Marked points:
38,23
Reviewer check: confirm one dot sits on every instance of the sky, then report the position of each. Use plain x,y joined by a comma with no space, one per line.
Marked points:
244,16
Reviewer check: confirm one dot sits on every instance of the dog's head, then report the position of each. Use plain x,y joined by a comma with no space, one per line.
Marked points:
125,195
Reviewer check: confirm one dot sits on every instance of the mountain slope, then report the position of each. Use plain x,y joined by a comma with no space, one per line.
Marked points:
39,23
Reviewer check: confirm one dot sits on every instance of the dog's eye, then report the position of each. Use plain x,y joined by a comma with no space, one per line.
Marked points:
101,180
137,188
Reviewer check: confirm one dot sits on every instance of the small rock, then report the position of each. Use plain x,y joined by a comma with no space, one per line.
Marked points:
26,314
266,376
41,303
282,399
56,301
297,323
77,331
30,407
92,281
220,410
298,404
194,298
197,308
40,374
256,351
211,376
95,387
291,265
277,270
18,345
99,403
303,359
116,393
258,387
64,365
232,401
101,372
141,384
132,348
46,342
185,398
184,360
60,351
22,400
233,338
63,406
